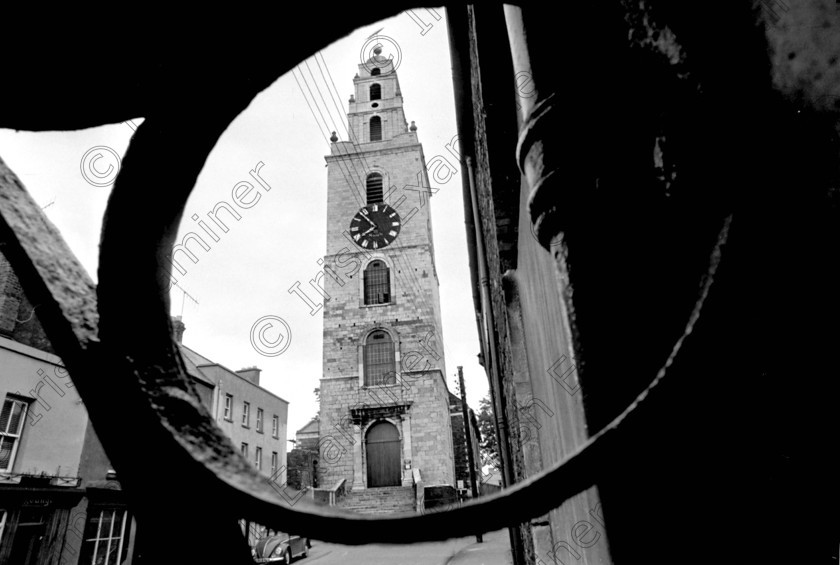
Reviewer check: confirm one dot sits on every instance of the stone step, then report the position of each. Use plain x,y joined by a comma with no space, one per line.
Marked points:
382,500
363,501
379,509
383,492
368,502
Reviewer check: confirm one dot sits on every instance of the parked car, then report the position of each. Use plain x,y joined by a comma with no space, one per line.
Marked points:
280,548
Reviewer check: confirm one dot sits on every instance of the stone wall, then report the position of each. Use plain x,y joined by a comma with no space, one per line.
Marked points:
425,420
418,403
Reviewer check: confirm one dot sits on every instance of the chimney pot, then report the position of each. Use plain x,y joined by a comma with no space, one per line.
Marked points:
178,328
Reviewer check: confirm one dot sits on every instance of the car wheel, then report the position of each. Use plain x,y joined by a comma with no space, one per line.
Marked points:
288,556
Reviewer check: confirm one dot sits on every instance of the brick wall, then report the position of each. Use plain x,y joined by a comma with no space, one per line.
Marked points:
459,439
18,316
462,466
11,295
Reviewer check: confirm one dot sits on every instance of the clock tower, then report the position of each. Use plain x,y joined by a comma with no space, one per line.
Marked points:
384,404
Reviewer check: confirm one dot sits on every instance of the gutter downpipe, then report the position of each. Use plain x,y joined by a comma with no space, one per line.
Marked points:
456,17
487,336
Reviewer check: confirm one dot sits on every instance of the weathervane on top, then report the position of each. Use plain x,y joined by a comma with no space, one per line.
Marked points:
372,49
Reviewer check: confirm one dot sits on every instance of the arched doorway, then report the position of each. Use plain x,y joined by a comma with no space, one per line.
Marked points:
383,455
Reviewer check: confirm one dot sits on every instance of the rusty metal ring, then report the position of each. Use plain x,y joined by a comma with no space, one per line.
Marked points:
252,492
148,377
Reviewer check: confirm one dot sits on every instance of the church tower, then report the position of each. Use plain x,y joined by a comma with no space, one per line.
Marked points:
384,404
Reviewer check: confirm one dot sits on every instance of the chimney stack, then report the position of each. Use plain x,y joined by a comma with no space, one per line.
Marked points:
178,328
250,373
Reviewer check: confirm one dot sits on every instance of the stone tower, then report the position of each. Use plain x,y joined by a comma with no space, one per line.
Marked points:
384,410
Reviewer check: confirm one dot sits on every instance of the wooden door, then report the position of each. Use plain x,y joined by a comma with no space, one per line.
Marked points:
29,537
383,455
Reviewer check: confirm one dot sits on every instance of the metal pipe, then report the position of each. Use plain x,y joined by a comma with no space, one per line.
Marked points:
463,120
490,343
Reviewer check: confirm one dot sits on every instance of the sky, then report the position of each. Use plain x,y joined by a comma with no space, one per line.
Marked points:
241,283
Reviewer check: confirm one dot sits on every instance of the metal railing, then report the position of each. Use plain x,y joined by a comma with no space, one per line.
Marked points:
331,496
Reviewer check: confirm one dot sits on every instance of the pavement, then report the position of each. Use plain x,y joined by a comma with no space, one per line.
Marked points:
494,550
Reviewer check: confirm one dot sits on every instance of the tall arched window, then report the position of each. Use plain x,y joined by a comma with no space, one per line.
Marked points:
377,283
375,92
374,188
376,128
379,359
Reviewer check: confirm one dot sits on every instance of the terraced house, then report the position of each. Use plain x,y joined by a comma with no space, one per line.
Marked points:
60,500
254,418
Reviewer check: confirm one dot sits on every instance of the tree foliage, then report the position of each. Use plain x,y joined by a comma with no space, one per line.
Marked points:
487,427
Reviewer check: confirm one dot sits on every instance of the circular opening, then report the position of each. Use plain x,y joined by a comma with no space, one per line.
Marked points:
375,105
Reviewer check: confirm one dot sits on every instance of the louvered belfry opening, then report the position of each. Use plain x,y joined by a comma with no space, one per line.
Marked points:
374,188
376,128
379,359
377,283
375,91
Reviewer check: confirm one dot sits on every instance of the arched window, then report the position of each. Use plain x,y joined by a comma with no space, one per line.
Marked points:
379,359
375,73
376,128
375,91
377,283
374,188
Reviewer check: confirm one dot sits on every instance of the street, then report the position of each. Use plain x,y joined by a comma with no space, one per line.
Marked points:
461,551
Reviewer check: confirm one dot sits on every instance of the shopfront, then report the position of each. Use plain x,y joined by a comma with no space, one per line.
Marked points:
33,521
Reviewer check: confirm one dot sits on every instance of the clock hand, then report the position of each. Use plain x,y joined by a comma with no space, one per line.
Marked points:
369,230
368,220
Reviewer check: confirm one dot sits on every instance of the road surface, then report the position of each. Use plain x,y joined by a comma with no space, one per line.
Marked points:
434,553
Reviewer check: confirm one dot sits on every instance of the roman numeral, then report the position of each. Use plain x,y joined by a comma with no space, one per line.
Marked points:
392,233
395,223
375,208
365,243
354,229
356,237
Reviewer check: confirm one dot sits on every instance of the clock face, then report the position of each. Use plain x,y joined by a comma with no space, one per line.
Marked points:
375,226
